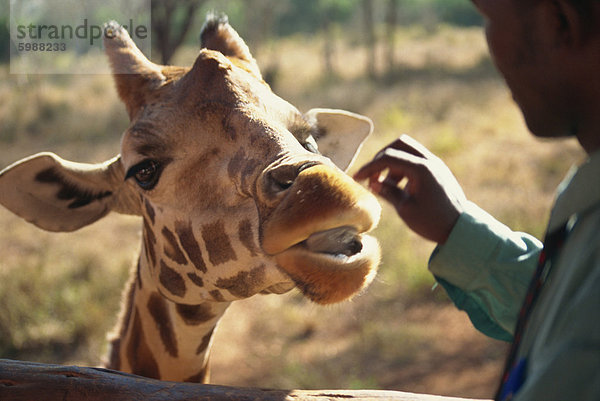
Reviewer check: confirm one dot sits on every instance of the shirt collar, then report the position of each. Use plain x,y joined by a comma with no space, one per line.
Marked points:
578,192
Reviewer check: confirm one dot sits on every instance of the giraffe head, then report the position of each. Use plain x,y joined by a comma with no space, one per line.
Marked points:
240,193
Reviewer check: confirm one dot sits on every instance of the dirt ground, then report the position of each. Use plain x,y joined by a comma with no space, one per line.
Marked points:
449,358
468,365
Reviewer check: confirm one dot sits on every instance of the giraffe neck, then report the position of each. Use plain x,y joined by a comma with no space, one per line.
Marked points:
159,338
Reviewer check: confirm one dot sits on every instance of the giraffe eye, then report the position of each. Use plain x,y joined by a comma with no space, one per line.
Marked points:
145,173
311,148
311,145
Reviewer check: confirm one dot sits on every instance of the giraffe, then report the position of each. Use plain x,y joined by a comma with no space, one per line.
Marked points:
239,193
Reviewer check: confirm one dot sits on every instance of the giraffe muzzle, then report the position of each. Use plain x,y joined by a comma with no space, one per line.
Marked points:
317,234
323,207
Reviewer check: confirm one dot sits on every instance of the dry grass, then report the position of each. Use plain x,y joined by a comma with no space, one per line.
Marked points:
60,292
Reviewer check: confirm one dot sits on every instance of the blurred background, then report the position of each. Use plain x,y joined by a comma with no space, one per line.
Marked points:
413,66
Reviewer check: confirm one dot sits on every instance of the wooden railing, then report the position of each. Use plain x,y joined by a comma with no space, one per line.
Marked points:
28,381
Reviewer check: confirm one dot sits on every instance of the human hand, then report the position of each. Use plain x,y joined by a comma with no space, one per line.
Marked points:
431,201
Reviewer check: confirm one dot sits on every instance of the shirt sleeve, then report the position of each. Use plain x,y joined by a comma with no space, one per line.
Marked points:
486,268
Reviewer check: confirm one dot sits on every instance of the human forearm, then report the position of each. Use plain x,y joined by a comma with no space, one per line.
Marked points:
486,268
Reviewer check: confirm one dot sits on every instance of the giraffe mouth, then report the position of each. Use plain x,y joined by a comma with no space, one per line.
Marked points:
318,235
338,242
332,265
336,249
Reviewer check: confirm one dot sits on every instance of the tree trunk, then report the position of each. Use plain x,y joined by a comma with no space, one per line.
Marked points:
168,38
27,381
371,44
328,49
391,23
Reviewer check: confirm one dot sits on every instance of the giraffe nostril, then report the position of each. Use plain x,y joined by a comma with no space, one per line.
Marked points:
283,185
283,177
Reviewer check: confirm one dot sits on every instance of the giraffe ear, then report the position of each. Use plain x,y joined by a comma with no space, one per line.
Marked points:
341,134
59,195
218,35
135,76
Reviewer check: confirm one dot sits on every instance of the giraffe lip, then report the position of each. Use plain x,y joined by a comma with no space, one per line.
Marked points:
339,242
326,277
340,248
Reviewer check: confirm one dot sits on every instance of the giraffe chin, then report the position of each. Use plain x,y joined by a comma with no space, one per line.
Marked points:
328,278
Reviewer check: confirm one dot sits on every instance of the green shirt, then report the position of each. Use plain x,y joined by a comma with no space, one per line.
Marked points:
486,269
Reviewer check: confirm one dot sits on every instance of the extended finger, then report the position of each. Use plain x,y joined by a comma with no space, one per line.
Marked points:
398,162
410,145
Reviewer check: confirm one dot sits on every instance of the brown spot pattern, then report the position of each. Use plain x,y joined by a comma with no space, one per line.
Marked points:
208,156
228,127
150,254
149,211
171,280
217,296
172,249
138,353
217,243
148,231
160,313
235,164
190,244
247,237
196,279
205,342
249,169
149,242
243,284
194,315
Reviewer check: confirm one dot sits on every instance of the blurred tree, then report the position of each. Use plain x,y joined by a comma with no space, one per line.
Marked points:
171,21
328,43
307,16
391,23
453,12
5,42
458,12
330,12
260,17
369,26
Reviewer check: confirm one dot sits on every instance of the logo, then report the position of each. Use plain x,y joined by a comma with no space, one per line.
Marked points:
66,36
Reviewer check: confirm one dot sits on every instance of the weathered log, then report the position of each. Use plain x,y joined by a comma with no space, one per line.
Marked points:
29,381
